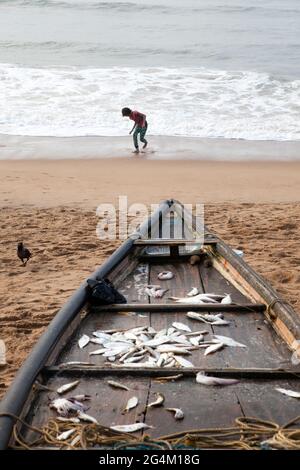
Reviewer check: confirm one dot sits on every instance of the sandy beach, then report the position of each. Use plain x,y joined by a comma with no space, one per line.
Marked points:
50,205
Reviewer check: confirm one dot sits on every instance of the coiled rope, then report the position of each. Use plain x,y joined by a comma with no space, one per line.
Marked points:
247,434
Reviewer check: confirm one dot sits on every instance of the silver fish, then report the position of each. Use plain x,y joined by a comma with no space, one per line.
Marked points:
192,292
227,300
64,435
158,402
75,440
84,340
181,326
114,384
67,387
101,334
84,417
174,349
228,341
213,348
203,379
130,427
220,322
68,420
82,397
183,362
195,340
289,393
157,341
198,299
132,403
64,406
178,413
132,359
165,275
97,351
97,340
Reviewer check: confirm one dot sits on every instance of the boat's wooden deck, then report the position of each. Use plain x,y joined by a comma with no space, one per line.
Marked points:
203,406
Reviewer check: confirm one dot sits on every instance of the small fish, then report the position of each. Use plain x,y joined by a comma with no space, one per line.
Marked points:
203,379
84,340
198,333
227,300
220,322
158,402
132,403
75,440
178,413
82,397
68,420
64,406
96,340
199,299
173,349
157,341
84,417
130,360
64,435
195,340
213,348
130,427
192,293
228,341
289,393
97,351
114,384
67,387
165,275
181,326
183,362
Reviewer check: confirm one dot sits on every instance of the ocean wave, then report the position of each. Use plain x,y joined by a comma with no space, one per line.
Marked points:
88,5
195,102
166,7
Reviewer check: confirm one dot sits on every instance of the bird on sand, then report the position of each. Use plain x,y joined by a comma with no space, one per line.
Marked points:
23,253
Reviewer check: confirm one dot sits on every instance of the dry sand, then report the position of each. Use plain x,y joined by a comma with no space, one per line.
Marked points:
51,206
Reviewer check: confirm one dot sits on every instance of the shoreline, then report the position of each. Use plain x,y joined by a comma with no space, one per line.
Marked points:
160,148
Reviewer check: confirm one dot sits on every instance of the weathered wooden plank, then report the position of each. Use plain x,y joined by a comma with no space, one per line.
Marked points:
203,407
261,399
250,373
176,307
264,347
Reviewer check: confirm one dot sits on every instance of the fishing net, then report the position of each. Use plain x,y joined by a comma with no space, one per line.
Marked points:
247,434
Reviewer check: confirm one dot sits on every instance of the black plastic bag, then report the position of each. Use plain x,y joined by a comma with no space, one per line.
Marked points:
103,292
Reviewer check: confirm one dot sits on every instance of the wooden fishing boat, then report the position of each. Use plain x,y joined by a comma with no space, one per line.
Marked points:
258,318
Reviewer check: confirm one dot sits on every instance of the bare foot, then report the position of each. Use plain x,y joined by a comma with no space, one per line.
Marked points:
136,151
145,145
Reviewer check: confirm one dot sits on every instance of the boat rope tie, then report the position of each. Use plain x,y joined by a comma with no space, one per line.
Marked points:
248,433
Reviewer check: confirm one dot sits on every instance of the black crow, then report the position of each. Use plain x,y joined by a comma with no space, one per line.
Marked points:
23,253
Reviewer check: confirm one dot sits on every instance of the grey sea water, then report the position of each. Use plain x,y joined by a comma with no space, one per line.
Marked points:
201,68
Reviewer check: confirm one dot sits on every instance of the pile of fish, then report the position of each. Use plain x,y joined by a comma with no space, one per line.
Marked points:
143,346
